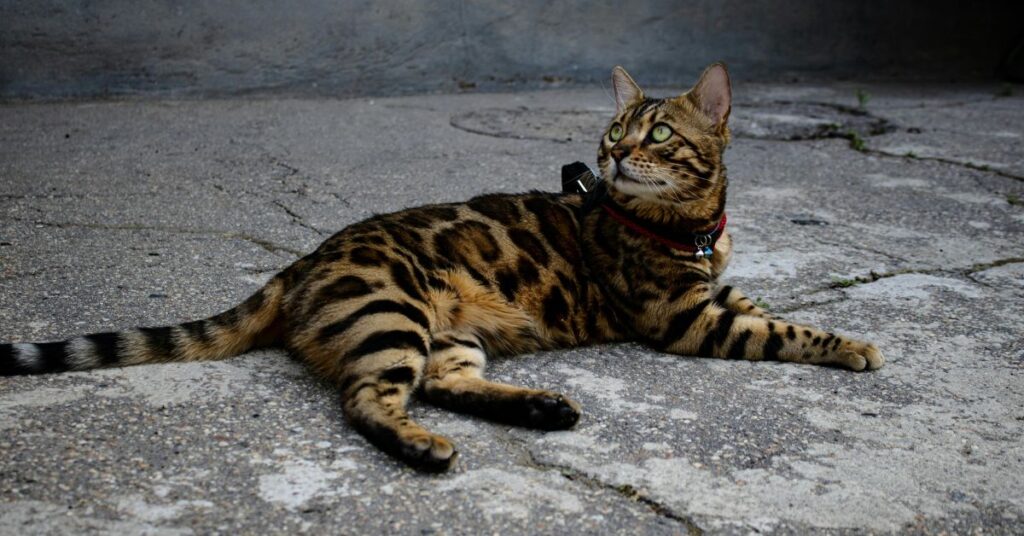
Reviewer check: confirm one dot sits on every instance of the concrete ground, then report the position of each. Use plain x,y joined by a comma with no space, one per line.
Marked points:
896,216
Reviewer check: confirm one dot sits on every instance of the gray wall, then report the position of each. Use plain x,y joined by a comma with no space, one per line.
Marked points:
89,48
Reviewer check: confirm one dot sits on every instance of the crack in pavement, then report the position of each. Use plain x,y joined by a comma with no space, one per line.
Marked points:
970,273
297,219
22,275
944,160
843,245
626,491
803,306
301,190
291,172
42,196
265,244
778,120
963,272
341,198
889,127
967,273
629,492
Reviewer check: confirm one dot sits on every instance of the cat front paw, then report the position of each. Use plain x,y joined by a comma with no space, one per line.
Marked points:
429,452
860,356
551,411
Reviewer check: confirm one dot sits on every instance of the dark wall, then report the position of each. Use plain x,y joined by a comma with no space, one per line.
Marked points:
88,48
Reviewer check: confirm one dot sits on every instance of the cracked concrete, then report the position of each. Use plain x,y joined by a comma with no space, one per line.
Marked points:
115,214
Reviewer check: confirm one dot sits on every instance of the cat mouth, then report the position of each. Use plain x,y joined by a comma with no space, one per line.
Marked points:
650,182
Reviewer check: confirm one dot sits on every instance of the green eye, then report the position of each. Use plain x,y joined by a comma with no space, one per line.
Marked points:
661,132
615,133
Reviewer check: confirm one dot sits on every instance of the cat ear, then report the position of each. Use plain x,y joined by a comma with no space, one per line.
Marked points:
626,90
713,94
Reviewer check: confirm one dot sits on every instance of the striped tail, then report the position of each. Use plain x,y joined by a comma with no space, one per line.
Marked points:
254,323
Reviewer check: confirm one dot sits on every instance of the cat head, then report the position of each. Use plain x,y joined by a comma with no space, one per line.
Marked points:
667,150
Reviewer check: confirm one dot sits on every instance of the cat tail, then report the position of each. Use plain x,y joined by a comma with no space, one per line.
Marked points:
255,322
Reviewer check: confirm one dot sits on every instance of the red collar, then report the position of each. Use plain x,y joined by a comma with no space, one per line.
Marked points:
703,243
579,178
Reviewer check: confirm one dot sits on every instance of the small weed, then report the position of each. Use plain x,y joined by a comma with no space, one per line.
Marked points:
762,304
1005,90
628,491
863,97
856,142
843,282
1014,199
910,154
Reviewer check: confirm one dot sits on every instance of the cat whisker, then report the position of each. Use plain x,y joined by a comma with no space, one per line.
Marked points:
688,174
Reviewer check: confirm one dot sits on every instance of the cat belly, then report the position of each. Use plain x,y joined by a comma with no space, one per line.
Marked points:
505,327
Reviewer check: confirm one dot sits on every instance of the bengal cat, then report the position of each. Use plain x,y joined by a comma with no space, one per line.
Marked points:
417,300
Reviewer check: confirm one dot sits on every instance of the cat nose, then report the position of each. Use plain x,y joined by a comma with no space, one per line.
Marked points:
618,153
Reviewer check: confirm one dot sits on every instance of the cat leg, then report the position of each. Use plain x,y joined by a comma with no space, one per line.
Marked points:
375,346
374,402
732,299
699,326
454,381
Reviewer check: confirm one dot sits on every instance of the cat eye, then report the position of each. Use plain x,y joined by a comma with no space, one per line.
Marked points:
661,132
615,133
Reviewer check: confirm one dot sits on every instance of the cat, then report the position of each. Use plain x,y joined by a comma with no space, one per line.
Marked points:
416,301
